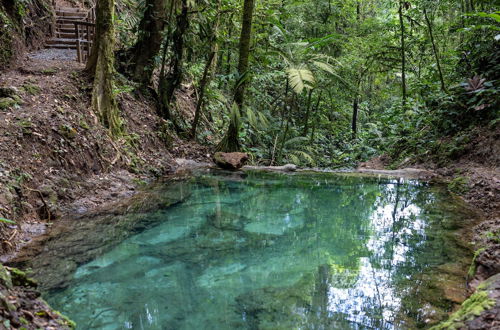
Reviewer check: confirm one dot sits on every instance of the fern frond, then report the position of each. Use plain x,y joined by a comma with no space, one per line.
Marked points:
324,66
295,141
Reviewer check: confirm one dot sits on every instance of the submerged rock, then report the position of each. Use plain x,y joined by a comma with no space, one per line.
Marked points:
227,221
230,161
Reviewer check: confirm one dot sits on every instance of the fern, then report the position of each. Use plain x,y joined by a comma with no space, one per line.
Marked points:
295,141
323,66
252,119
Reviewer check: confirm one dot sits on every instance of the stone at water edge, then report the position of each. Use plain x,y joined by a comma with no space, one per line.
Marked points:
289,168
230,160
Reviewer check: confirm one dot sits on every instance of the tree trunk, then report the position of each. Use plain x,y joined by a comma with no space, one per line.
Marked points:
204,82
206,72
230,142
101,66
306,119
149,42
435,50
172,79
403,52
355,107
245,40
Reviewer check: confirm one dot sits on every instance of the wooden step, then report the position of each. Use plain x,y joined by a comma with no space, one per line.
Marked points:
70,18
70,10
62,41
71,13
66,41
66,35
61,46
65,27
67,30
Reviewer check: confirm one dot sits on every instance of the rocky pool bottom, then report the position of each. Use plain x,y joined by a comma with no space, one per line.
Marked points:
262,250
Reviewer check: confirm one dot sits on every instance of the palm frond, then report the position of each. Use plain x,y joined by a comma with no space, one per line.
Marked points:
300,78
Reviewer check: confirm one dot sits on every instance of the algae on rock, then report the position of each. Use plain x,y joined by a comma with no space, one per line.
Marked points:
474,306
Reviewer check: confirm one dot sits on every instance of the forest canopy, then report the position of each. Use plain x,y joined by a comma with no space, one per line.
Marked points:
317,83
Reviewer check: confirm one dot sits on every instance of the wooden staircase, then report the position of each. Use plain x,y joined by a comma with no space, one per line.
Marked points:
74,29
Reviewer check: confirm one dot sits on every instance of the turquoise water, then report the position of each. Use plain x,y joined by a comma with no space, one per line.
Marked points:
274,251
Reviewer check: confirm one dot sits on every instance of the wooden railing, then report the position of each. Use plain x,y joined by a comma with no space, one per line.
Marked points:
84,34
85,31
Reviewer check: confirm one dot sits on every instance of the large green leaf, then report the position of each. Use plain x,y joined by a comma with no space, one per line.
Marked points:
300,78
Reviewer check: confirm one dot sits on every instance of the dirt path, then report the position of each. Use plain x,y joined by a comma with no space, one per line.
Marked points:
59,55
56,158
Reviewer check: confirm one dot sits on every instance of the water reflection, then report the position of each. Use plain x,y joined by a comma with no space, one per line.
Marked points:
272,251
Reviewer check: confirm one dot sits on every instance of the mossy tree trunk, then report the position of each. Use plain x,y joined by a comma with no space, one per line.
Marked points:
149,42
205,80
230,142
172,78
403,50
101,66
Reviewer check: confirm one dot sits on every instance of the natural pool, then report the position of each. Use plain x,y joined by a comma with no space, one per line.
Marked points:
264,250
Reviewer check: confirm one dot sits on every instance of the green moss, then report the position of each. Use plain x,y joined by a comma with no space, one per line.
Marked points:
472,268
6,102
65,321
6,34
474,306
49,71
459,185
31,89
5,279
19,278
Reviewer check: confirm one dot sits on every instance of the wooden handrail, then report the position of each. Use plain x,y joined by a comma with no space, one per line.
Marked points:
89,30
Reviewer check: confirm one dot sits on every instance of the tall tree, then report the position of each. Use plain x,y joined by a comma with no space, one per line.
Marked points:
149,41
171,78
101,66
230,142
435,50
206,72
402,4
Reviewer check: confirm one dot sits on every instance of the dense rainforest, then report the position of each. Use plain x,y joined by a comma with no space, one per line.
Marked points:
323,84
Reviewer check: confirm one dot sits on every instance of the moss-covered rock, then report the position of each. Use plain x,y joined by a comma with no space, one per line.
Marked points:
19,278
6,102
22,307
5,279
476,305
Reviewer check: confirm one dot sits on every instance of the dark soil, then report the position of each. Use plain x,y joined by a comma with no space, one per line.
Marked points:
55,157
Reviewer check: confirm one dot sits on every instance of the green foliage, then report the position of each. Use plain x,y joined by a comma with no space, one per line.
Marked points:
473,306
7,221
313,62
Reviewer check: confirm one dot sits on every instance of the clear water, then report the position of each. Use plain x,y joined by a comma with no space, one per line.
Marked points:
273,251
